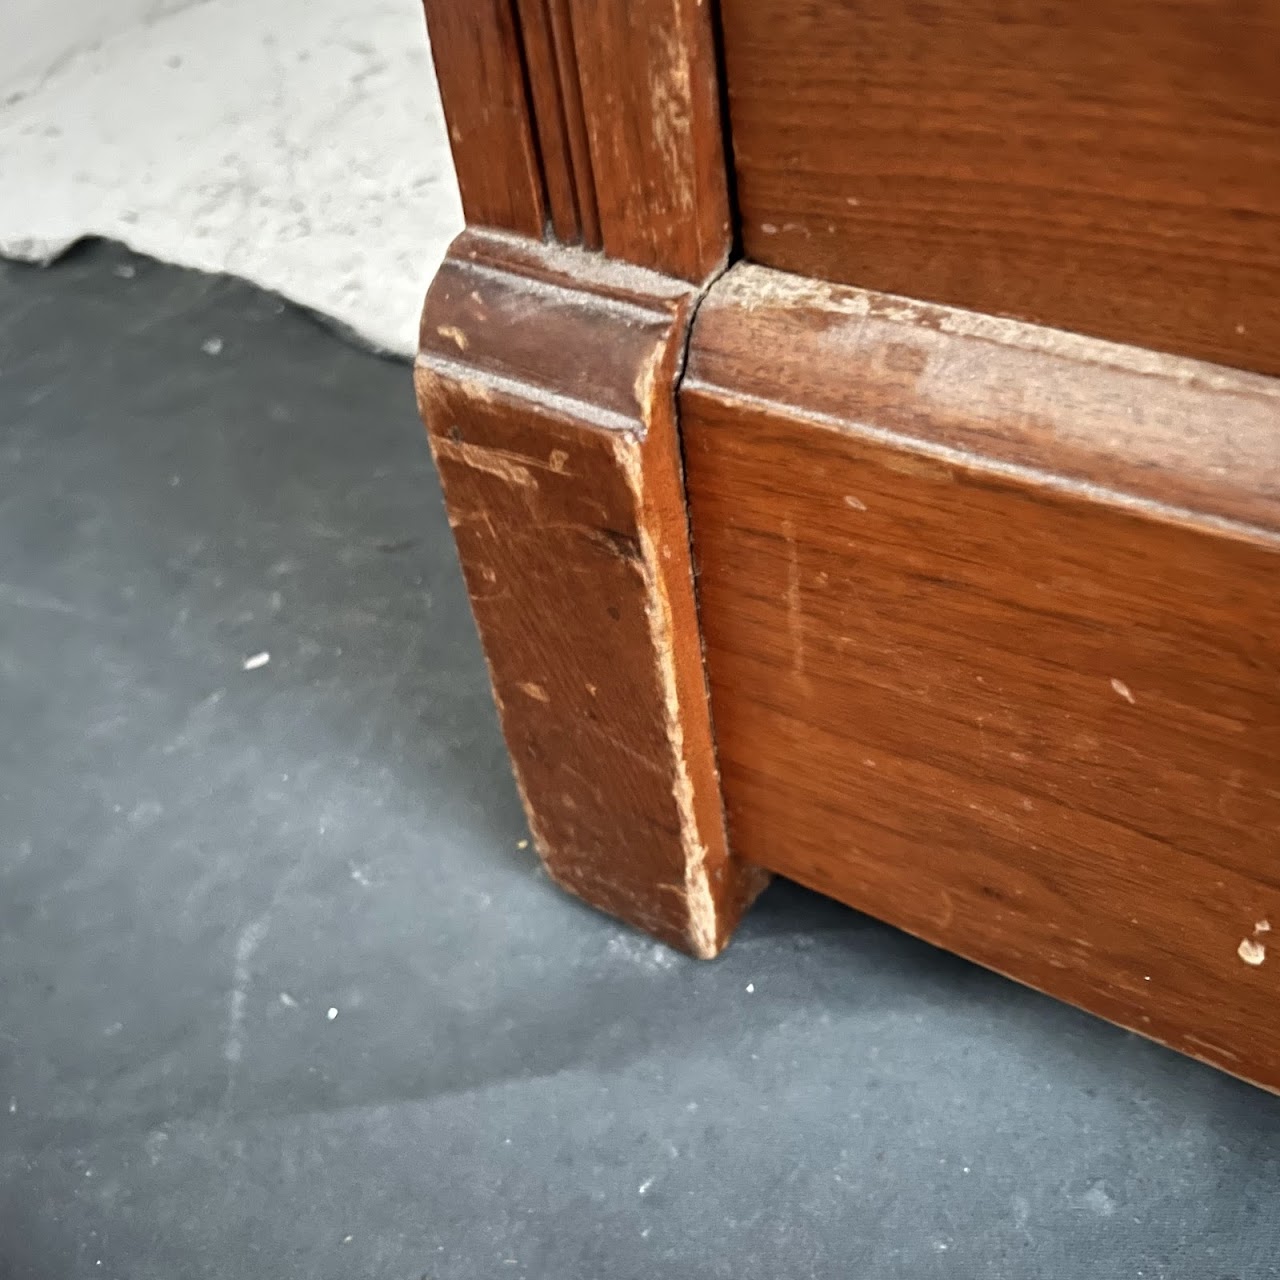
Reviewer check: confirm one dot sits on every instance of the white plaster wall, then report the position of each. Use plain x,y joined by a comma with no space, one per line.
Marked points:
298,143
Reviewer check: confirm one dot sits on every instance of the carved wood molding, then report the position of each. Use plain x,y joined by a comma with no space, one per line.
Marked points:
596,122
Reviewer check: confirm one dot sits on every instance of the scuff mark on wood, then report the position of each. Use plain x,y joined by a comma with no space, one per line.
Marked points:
1124,691
623,545
493,461
703,918
669,97
454,335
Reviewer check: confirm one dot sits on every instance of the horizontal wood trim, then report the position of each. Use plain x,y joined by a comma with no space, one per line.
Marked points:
1135,428
1109,168
992,625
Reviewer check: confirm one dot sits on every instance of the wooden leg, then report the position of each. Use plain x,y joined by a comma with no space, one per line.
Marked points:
547,382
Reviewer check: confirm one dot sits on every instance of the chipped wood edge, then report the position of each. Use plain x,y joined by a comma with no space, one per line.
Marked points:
713,891
706,934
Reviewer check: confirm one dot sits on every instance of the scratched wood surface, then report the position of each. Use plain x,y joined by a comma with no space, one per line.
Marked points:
594,121
992,621
546,378
650,92
551,113
1106,167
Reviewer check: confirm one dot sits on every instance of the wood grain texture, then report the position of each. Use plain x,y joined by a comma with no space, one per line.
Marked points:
546,96
1110,168
992,622
575,122
546,378
601,118
556,95
479,61
647,71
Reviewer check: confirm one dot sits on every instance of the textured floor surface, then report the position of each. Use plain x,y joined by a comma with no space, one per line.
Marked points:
296,143
281,995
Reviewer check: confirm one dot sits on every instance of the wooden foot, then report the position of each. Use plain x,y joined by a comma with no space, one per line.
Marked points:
547,382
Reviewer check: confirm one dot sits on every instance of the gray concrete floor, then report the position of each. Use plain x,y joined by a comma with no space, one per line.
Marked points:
198,863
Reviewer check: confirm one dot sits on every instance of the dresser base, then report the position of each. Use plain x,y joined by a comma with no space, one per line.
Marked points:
990,616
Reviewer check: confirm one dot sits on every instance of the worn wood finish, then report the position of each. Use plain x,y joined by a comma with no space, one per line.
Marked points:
479,60
556,95
992,621
598,120
550,119
650,94
575,124
1111,168
546,378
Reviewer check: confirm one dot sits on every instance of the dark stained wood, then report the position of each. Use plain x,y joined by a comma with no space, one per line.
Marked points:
649,88
575,123
992,624
546,377
602,118
551,67
545,93
1106,166
476,47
